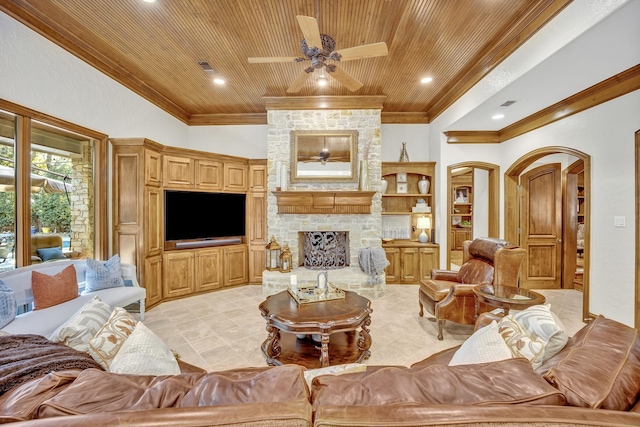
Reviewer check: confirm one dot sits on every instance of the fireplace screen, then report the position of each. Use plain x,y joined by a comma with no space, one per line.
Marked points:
325,250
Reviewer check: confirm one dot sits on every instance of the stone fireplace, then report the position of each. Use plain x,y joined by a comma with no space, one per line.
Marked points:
360,230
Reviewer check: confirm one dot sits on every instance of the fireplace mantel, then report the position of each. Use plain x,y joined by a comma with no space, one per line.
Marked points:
324,202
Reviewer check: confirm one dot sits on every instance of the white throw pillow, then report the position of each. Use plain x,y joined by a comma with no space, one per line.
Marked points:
539,324
485,345
144,353
520,344
104,346
83,325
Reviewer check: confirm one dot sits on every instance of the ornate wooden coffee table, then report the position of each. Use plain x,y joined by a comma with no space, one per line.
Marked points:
342,325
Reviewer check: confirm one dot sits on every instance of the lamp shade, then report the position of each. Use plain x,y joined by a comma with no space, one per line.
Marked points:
424,223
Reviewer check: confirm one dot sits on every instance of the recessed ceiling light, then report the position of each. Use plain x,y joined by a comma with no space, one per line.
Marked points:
322,81
497,116
219,81
426,80
149,1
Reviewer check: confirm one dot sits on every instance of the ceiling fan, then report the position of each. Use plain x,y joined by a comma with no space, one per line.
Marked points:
319,48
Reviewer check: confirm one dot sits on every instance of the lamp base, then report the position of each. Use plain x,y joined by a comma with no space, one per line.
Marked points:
423,238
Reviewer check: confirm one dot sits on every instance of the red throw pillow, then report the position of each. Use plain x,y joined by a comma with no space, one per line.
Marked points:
51,290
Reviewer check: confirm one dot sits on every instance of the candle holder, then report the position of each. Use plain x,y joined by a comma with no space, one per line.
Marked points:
285,260
272,255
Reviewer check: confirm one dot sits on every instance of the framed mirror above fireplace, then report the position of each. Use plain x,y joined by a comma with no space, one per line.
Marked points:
324,156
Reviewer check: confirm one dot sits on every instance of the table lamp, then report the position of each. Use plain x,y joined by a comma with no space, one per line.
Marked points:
423,223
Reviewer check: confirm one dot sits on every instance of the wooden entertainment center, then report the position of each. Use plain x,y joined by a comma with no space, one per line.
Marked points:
142,170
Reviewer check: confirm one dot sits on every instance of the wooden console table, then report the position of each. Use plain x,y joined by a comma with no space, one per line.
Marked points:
342,325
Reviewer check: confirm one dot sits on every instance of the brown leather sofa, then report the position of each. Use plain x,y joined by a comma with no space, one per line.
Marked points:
448,295
593,381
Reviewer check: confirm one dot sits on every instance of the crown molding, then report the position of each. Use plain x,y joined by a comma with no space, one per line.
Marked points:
611,88
363,102
227,119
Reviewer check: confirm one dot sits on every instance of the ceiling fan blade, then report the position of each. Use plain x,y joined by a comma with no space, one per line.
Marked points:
365,51
346,79
298,82
273,59
310,30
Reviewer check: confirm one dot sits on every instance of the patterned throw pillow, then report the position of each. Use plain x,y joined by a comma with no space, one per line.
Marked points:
52,290
484,345
539,324
103,274
8,306
144,353
104,346
83,325
520,344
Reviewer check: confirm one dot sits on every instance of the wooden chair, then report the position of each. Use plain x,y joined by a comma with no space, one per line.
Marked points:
448,295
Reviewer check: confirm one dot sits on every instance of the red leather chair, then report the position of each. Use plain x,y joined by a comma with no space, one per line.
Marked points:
448,295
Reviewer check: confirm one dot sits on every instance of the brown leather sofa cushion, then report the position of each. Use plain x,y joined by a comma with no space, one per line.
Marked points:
510,381
95,390
486,247
599,367
476,271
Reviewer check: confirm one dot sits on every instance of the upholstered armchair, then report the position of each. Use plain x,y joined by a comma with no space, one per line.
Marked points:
448,295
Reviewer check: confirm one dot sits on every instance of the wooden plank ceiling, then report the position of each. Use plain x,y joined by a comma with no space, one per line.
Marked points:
154,48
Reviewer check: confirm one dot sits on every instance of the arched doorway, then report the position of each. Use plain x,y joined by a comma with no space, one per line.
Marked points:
512,204
492,203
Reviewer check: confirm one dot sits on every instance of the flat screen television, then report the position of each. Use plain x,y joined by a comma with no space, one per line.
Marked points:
196,215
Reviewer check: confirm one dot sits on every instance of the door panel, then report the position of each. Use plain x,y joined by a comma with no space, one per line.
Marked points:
541,223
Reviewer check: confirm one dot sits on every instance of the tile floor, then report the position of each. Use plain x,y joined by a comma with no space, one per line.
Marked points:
224,330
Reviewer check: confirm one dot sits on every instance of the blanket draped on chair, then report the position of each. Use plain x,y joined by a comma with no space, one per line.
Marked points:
372,261
25,357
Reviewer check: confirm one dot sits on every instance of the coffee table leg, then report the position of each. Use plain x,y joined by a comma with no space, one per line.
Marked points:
364,341
271,345
324,351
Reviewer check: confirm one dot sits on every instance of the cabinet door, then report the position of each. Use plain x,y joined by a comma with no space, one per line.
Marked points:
208,175
152,168
256,263
392,271
429,259
257,218
258,178
208,269
153,239
178,172
152,281
460,235
178,273
235,177
410,265
235,265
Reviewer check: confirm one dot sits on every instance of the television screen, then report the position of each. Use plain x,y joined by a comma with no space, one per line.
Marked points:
192,215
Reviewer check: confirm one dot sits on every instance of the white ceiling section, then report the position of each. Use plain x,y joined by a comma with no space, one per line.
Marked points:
553,65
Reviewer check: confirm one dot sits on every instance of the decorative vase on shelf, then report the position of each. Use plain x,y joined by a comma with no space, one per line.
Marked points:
404,156
424,185
363,182
385,185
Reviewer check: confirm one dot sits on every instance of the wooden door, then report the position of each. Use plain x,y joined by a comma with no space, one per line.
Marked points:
177,273
236,270
208,175
410,265
541,227
208,269
392,272
153,280
429,259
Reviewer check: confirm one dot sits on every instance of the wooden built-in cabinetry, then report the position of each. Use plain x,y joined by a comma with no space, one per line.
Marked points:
461,218
142,170
257,218
409,260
